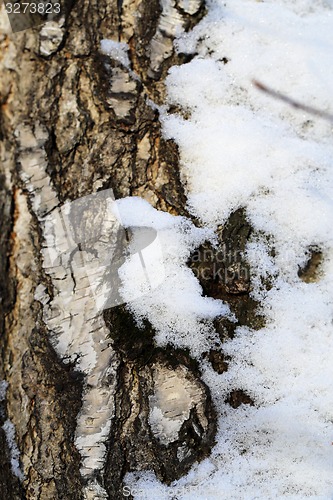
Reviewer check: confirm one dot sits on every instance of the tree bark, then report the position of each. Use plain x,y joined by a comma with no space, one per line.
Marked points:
75,122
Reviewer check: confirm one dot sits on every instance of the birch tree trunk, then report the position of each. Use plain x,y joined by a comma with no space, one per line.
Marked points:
73,122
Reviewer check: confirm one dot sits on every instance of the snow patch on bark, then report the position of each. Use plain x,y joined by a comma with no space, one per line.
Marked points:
117,51
176,308
9,430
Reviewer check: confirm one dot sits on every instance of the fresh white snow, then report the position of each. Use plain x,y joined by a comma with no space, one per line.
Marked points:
176,308
116,50
9,430
242,148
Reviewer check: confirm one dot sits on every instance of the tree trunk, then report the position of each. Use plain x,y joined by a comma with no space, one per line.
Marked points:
75,121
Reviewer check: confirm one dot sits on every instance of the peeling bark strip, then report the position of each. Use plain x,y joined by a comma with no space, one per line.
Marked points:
72,317
175,17
75,121
174,397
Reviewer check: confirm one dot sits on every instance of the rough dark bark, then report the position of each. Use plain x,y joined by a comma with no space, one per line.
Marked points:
88,121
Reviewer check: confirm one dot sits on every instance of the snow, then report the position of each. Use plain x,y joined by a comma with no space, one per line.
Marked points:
242,148
175,308
116,50
3,389
9,430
